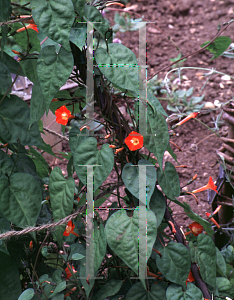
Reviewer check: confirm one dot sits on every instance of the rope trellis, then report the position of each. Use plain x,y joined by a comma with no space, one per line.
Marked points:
9,234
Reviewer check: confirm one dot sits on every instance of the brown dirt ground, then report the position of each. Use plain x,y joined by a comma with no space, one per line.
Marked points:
189,24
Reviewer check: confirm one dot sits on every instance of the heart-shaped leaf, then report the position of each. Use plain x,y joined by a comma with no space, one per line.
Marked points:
169,180
20,199
122,236
137,292
175,292
119,65
175,263
131,176
55,18
53,71
61,198
206,258
87,154
157,137
15,121
158,205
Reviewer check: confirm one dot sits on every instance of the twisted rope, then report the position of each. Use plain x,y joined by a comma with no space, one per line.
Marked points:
16,20
9,234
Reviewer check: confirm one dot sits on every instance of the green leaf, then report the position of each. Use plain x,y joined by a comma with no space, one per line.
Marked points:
5,10
61,198
60,287
175,292
15,121
122,236
171,152
118,65
175,263
219,45
137,292
23,164
10,287
131,177
76,137
78,35
20,198
55,18
192,251
158,137
169,181
42,166
29,67
220,263
228,254
158,205
93,15
154,102
77,256
110,288
11,63
206,258
27,294
53,71
100,244
79,6
195,217
27,45
6,164
225,288
87,154
5,79
37,103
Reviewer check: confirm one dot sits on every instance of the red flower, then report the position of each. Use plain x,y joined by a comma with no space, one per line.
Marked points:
134,141
190,277
62,115
210,185
68,272
192,115
69,229
212,219
31,245
196,228
29,26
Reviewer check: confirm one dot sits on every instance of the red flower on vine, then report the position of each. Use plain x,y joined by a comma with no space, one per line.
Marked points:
62,115
196,228
210,185
190,277
134,141
191,116
69,229
29,26
68,272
